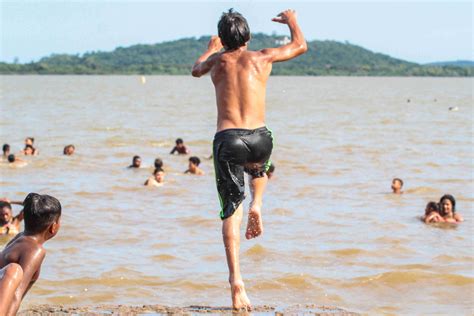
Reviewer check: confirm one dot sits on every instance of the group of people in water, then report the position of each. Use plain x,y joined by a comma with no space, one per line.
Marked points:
29,150
443,211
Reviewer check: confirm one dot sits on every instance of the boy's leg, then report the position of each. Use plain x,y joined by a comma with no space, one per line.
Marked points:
10,278
254,223
231,236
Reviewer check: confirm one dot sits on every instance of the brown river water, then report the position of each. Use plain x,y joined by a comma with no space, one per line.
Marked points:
334,234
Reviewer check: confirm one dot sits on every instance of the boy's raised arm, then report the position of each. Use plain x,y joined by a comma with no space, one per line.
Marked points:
296,47
30,263
204,63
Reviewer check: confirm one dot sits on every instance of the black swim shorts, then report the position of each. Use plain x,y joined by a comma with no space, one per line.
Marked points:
235,151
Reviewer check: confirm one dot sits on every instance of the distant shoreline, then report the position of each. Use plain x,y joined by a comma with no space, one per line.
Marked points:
324,58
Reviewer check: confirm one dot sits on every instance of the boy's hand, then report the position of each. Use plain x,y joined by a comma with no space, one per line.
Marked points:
215,44
285,17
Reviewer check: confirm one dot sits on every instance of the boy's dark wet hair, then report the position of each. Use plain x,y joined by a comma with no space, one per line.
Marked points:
40,211
11,158
430,207
135,158
5,204
233,30
6,147
158,163
158,170
449,197
399,180
179,141
195,160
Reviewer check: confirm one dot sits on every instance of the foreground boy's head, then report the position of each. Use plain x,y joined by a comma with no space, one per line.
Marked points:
5,213
233,30
42,215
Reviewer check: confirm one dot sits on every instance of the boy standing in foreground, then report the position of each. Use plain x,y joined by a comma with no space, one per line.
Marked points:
242,142
25,253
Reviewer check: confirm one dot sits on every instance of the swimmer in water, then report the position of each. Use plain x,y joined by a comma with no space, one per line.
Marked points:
180,148
15,161
157,179
69,150
158,163
193,166
136,162
9,224
6,150
242,141
397,185
29,149
447,205
42,215
432,213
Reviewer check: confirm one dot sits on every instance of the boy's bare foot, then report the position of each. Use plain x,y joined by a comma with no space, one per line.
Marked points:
240,301
254,223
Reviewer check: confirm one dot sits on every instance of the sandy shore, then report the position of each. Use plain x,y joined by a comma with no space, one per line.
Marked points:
190,310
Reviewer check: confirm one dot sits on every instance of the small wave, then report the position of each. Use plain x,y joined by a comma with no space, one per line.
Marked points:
349,252
397,278
418,190
257,251
164,257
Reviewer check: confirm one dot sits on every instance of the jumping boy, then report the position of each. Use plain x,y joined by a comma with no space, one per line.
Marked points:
242,142
42,215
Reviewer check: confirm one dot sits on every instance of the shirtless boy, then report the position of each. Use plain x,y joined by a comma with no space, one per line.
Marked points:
9,224
180,148
193,166
397,185
157,179
242,142
42,221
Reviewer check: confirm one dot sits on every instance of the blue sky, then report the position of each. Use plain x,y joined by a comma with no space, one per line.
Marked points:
422,31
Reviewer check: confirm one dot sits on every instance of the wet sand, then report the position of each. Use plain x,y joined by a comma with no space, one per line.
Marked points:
190,310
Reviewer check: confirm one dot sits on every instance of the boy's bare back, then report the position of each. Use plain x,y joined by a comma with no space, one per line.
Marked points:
240,76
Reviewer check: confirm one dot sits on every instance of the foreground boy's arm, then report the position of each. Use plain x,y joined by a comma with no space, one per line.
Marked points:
204,63
30,261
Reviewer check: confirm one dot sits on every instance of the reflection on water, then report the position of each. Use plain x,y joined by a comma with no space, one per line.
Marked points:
333,233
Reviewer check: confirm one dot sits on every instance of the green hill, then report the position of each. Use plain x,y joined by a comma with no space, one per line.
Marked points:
177,58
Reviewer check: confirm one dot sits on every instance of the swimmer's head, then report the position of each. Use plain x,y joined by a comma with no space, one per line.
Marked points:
431,207
6,149
136,162
29,141
158,163
159,175
11,158
5,213
42,214
179,141
397,185
194,162
447,205
233,30
29,150
69,150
